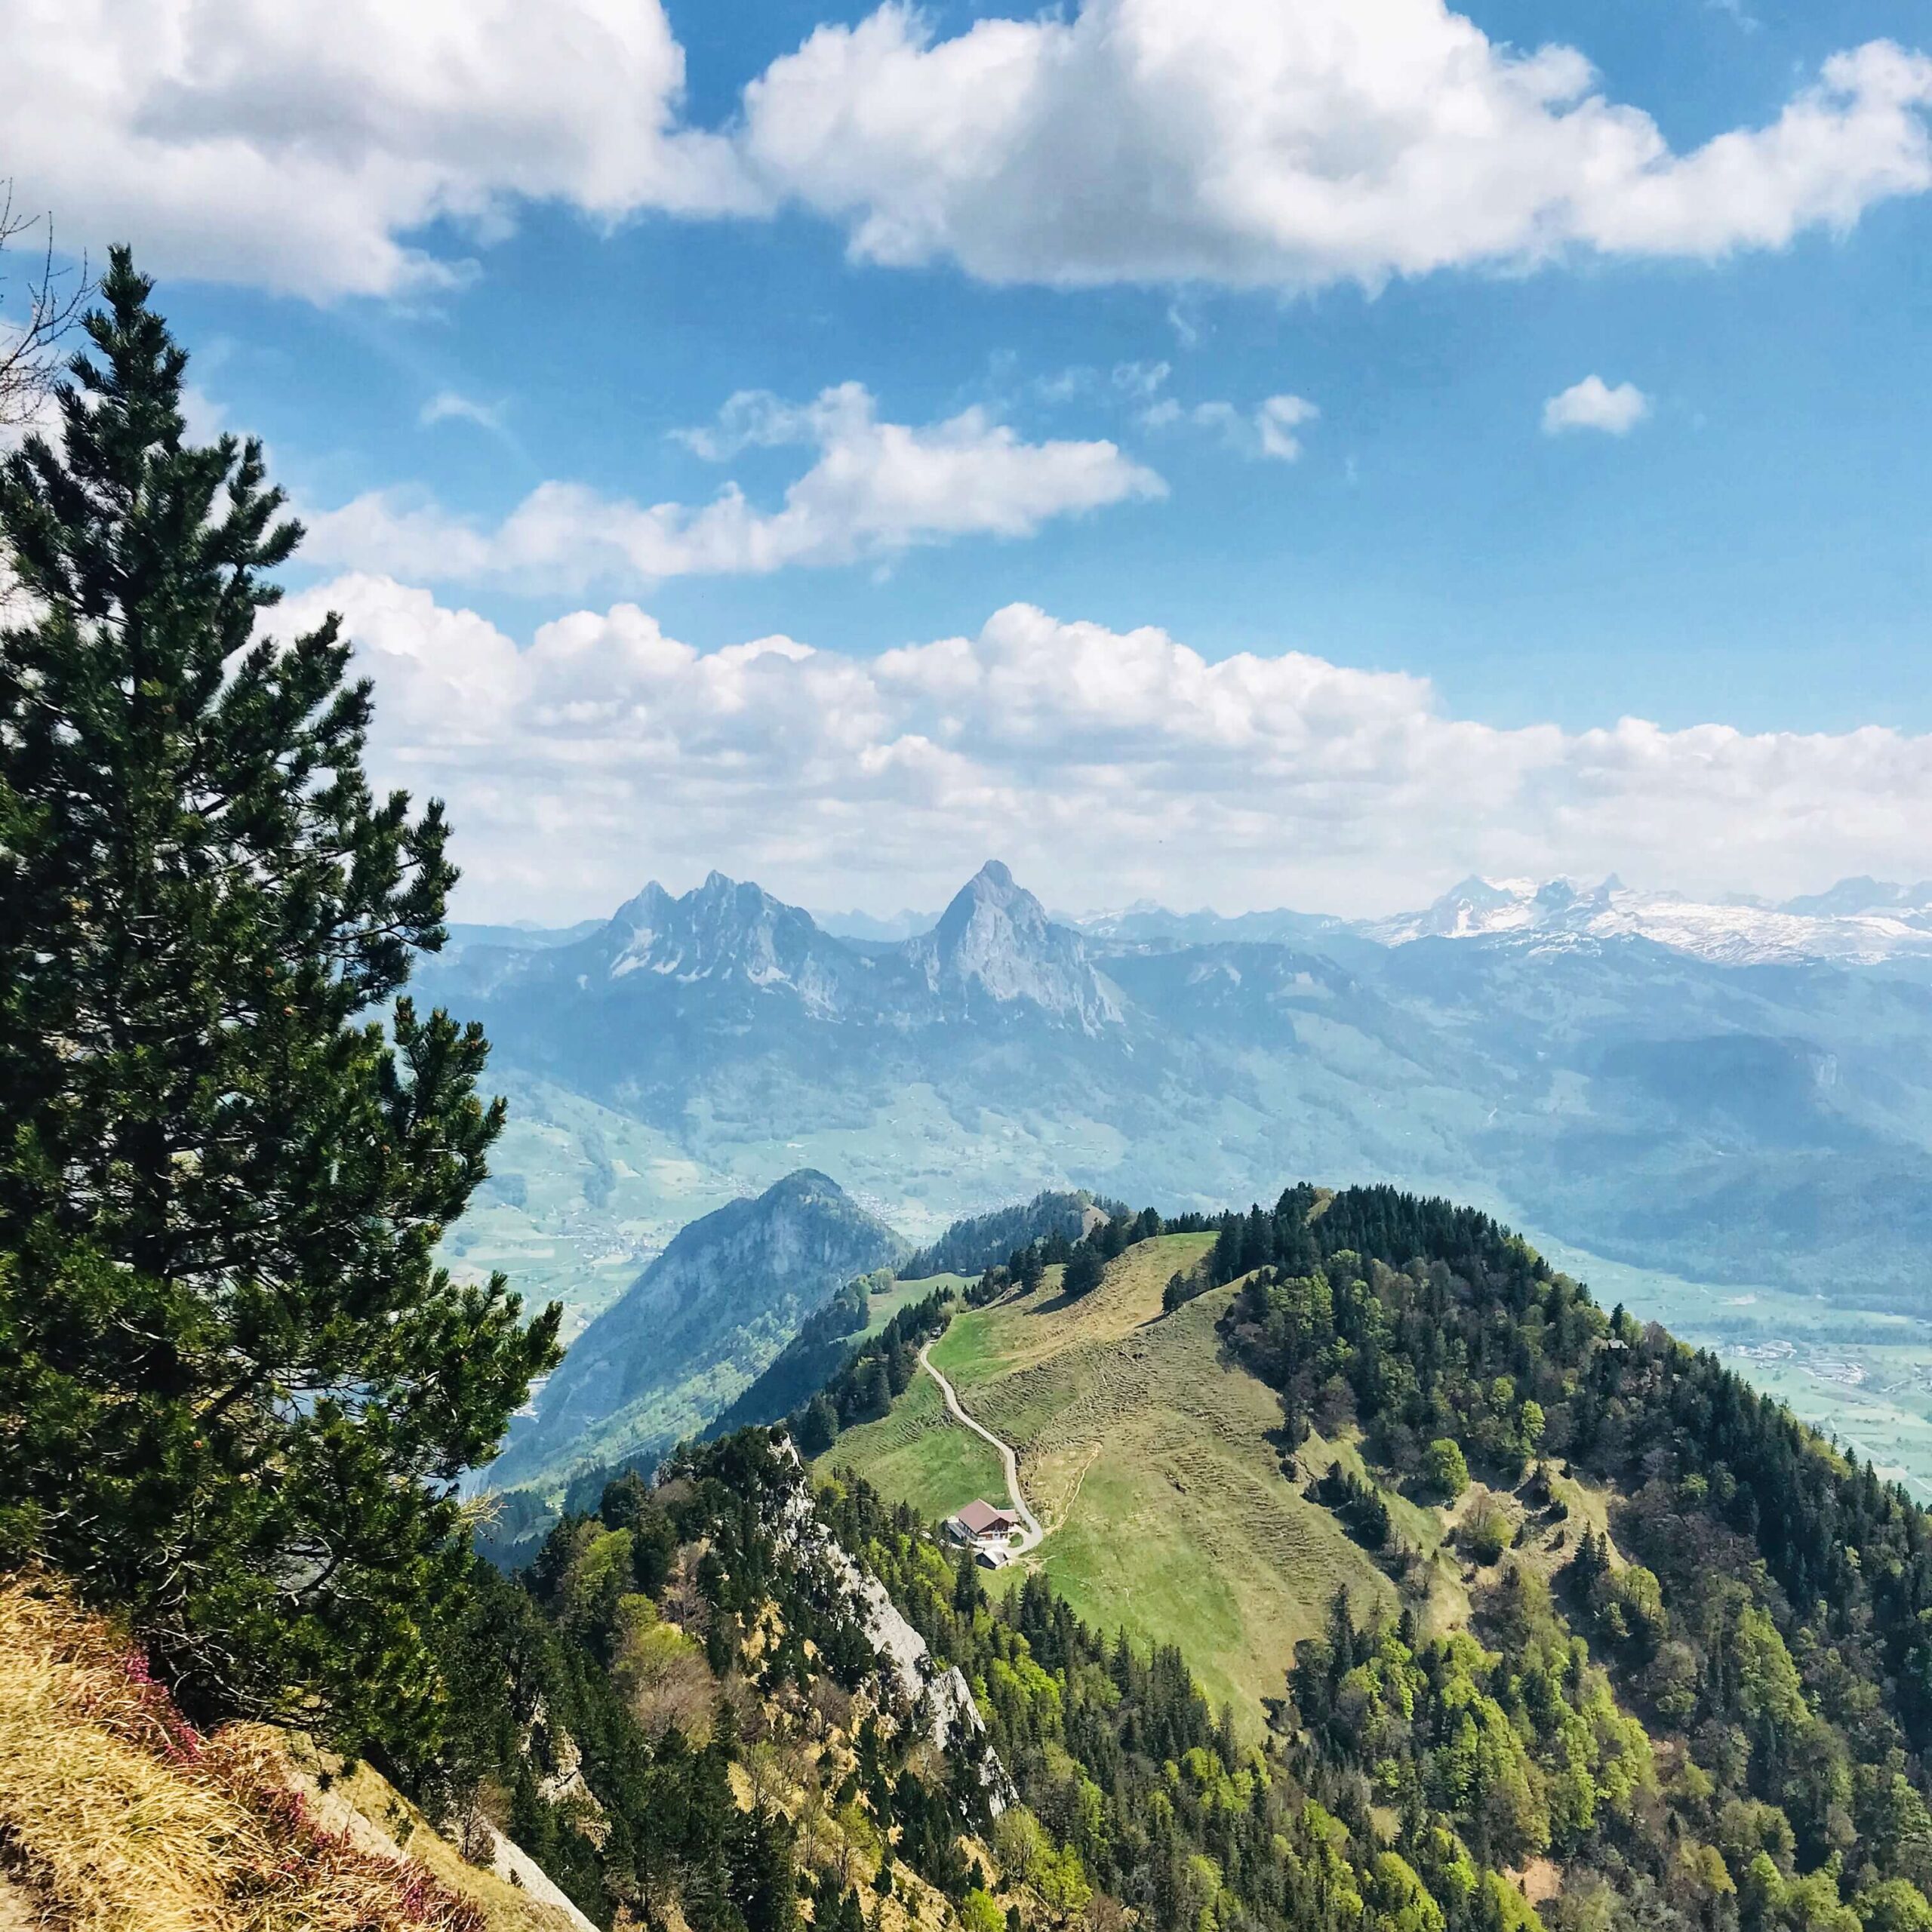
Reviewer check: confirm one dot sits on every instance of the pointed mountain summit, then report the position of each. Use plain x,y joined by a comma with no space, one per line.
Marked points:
728,954
994,943
718,926
992,930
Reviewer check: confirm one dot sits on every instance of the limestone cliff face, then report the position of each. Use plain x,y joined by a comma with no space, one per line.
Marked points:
725,931
701,1323
942,1700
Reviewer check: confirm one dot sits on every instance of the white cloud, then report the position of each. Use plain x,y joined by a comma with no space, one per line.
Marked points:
1267,431
450,406
366,148
302,147
875,490
752,419
1104,764
1141,379
1276,421
1593,405
1137,381
1255,144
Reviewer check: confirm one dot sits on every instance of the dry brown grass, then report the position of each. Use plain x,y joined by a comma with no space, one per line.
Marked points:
116,1817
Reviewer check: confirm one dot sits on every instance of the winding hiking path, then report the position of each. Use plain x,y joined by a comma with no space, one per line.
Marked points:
1031,1537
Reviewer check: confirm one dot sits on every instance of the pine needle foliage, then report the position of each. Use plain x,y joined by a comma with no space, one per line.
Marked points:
236,1390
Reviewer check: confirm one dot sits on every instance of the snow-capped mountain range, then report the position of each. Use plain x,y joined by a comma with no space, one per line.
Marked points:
996,941
1857,920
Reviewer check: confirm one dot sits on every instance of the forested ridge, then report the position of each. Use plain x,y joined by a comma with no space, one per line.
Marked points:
980,1241
810,1359
1710,1712
1760,1604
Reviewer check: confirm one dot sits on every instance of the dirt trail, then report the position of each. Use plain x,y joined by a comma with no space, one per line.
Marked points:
1032,1535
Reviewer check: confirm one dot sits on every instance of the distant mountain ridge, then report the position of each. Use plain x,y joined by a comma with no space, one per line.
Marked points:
993,948
1716,1091
1857,921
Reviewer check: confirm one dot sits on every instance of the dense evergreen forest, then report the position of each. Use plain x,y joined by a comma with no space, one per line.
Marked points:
878,1371
981,1240
810,1359
1082,1259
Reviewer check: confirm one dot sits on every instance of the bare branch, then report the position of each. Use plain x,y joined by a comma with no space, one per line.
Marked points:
54,298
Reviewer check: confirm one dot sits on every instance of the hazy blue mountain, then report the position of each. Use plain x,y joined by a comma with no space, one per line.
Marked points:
517,938
1147,925
1851,896
905,923
1728,1108
699,1324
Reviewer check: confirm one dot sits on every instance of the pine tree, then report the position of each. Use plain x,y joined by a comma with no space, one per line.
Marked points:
236,1390
966,1595
1083,1272
819,1428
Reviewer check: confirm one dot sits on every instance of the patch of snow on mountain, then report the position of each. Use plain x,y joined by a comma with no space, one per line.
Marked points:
1737,932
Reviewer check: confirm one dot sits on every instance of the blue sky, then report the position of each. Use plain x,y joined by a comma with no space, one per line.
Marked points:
1748,551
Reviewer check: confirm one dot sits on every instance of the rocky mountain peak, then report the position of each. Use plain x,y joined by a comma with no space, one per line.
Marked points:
647,906
989,913
995,941
802,1186
722,929
707,1315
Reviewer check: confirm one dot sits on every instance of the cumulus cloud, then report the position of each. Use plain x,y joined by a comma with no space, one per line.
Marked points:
1267,431
1593,405
875,489
367,147
1254,144
303,148
1106,764
1276,421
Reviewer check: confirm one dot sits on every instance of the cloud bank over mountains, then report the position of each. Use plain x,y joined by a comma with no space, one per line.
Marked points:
1106,765
372,149
380,151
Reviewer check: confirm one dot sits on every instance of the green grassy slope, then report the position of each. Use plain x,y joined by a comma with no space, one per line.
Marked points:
1151,1463
918,1454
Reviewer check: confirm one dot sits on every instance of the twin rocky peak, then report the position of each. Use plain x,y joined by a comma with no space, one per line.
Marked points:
994,946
